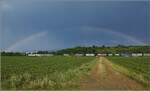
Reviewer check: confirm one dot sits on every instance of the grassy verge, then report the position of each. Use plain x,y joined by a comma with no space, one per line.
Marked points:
44,72
135,67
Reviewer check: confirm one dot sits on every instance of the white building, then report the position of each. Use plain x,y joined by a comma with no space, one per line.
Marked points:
125,54
66,54
31,54
79,55
110,54
40,55
117,54
137,54
146,54
103,54
90,54
45,55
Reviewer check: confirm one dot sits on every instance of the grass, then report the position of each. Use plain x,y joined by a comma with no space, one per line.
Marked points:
134,67
57,72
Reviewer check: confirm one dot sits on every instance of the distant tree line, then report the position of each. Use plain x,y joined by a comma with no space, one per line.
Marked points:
106,49
12,54
91,49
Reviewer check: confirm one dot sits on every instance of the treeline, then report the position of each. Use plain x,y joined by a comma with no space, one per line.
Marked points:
91,49
106,49
12,54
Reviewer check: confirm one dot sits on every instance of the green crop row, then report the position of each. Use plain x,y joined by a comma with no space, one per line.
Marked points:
137,68
57,72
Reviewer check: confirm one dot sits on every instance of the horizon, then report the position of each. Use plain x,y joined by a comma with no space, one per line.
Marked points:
54,50
45,25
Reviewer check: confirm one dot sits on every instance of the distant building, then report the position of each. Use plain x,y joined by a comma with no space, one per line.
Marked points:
79,54
90,54
117,54
31,54
110,54
101,54
137,54
66,54
146,54
40,55
125,54
45,55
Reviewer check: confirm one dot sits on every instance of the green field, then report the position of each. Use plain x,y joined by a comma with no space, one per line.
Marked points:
58,72
135,67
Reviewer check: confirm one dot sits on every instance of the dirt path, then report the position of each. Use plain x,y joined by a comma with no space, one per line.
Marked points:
104,77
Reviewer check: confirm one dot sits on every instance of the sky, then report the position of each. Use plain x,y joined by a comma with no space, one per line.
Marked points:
50,25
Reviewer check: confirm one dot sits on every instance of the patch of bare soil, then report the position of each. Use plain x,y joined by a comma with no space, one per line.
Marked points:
104,77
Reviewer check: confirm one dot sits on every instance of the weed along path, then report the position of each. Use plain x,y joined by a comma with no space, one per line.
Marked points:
104,77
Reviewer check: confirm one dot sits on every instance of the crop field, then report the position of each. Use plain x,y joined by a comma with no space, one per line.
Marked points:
57,72
65,73
136,67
